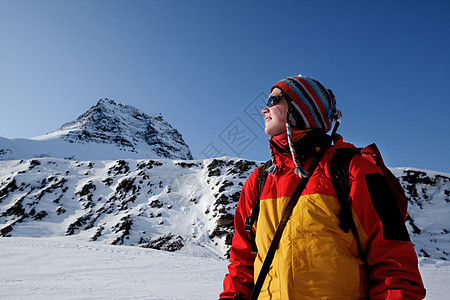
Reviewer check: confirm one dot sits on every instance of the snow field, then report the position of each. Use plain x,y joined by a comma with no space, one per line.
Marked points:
61,268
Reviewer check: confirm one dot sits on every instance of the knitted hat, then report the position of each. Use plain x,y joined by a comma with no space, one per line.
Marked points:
310,106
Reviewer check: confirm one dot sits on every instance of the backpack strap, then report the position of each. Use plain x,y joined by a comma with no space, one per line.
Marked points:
250,220
339,171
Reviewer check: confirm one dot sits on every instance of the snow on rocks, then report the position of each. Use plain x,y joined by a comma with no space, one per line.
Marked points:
174,205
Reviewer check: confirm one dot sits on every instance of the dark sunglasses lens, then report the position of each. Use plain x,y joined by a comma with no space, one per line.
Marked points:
273,100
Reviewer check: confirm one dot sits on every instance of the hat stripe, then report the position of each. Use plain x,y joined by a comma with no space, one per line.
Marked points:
297,102
305,106
305,120
306,95
321,93
327,99
317,93
318,101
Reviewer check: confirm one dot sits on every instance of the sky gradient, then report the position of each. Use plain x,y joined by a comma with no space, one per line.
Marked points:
207,67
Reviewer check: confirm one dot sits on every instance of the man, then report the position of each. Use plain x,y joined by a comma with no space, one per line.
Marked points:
315,258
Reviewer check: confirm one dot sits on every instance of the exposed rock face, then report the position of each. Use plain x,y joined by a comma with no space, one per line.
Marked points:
127,128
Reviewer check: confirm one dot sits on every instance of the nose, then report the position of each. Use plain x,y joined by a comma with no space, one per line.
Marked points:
265,110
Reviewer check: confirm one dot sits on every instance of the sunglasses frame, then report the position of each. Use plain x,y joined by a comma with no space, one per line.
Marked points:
273,100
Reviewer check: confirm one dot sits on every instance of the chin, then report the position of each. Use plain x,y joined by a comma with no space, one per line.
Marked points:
271,132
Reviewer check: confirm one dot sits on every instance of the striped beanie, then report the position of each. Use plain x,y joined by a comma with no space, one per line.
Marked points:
311,105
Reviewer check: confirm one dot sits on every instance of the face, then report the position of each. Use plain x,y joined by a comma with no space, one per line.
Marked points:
275,116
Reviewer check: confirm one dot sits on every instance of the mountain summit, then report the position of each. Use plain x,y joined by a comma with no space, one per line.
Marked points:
108,130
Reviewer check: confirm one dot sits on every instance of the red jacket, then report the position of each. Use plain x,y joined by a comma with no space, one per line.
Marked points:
315,258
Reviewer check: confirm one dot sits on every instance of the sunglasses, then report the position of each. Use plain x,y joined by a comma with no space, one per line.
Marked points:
274,100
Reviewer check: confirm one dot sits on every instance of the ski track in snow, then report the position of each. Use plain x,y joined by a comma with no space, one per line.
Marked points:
61,268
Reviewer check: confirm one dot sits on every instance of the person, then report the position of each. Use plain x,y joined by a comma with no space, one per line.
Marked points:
315,258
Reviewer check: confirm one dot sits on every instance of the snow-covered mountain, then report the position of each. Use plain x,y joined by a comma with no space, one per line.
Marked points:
173,205
164,204
108,130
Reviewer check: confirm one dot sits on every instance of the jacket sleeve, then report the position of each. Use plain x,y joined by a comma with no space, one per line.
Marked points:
240,270
392,260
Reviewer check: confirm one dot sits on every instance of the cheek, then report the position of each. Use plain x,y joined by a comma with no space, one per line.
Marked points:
280,114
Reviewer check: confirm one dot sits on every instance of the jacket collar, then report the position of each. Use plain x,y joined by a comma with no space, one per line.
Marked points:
306,142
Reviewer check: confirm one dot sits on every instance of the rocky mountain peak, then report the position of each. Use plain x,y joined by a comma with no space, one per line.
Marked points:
128,128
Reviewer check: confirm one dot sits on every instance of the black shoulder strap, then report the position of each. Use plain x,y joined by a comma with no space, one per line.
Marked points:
250,220
339,171
263,176
284,219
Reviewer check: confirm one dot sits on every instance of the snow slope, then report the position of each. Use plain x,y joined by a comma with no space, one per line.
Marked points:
59,268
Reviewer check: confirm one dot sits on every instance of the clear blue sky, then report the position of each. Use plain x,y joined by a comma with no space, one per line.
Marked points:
206,65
